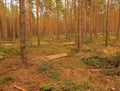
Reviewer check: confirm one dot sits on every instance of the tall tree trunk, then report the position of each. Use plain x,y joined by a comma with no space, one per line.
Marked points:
57,7
79,31
12,22
118,30
23,32
66,20
5,30
107,24
75,21
38,31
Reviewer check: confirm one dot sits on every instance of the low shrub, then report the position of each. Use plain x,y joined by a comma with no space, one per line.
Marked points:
94,61
66,86
49,69
72,51
110,72
111,62
88,41
4,51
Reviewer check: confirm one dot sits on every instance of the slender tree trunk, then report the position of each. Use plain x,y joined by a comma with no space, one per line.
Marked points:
5,30
0,30
79,31
75,21
38,31
57,6
107,25
23,32
118,30
66,19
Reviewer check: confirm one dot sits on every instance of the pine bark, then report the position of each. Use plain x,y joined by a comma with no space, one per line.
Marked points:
23,33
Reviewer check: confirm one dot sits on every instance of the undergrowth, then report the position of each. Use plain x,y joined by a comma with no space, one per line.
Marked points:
111,62
66,86
5,79
49,69
5,51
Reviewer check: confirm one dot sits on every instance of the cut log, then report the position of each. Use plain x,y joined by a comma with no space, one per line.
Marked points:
50,57
69,43
7,44
19,88
112,89
11,69
1,57
40,58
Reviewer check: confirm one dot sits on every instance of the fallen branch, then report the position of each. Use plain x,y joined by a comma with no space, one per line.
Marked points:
11,69
19,88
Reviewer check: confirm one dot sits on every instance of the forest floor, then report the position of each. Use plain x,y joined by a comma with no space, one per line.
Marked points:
68,73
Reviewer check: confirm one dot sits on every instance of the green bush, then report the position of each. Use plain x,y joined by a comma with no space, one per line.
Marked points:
93,61
102,62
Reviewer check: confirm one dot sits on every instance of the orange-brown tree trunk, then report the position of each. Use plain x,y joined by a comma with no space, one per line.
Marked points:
23,32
